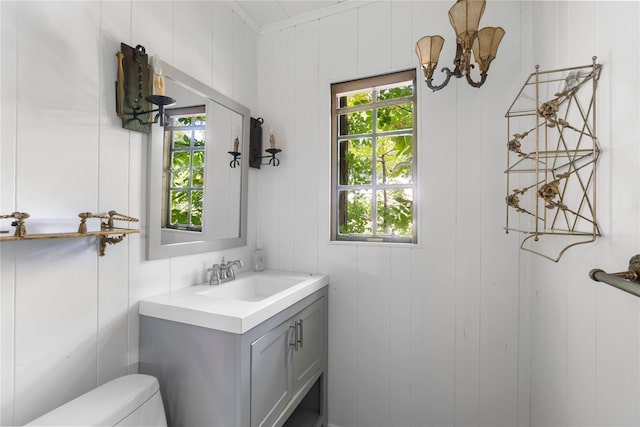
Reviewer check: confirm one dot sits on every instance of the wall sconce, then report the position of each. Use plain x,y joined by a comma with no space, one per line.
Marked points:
255,150
235,153
134,97
272,150
465,19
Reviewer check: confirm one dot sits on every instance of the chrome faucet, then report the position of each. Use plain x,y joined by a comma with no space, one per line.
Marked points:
223,272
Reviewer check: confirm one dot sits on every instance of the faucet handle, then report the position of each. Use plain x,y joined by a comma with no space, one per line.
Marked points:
215,274
232,273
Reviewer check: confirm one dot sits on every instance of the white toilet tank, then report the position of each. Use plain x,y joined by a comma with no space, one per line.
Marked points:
131,400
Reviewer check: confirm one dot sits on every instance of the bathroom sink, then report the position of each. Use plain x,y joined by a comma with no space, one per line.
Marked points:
234,306
252,287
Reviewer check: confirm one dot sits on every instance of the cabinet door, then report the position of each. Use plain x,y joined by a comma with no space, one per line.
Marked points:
310,351
271,382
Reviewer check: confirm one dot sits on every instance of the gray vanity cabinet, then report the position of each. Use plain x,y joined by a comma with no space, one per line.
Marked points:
307,356
271,380
272,375
284,361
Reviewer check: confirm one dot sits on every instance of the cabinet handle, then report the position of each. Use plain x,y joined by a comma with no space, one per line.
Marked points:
300,337
295,336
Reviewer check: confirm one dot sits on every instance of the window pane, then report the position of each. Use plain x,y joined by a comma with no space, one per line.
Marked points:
186,120
196,208
180,169
356,123
353,99
179,208
355,162
177,121
355,211
395,212
200,120
394,160
396,117
198,169
198,138
394,92
181,139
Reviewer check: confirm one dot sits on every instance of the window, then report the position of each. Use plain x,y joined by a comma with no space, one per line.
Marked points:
373,159
184,159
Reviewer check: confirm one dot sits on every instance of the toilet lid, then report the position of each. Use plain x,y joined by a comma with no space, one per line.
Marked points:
103,406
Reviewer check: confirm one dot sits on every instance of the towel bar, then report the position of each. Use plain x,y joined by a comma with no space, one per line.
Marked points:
625,280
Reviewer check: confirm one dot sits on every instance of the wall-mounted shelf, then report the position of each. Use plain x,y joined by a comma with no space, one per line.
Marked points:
552,153
107,230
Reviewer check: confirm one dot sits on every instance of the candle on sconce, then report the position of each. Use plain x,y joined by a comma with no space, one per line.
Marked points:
236,145
272,140
158,78
272,150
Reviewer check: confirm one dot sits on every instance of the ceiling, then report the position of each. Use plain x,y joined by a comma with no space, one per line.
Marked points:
278,13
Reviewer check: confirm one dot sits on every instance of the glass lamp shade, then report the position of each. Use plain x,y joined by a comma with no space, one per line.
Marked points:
485,46
428,50
465,19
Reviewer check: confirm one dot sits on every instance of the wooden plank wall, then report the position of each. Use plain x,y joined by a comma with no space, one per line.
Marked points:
68,318
427,335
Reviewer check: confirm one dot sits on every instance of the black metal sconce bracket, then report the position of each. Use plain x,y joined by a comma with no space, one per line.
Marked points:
255,147
134,98
236,158
255,142
132,87
273,160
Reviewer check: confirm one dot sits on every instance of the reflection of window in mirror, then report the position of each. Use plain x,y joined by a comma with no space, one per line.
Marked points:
184,158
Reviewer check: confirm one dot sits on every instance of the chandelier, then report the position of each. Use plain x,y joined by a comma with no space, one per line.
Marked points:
465,19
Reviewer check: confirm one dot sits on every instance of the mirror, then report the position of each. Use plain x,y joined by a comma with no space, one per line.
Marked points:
196,194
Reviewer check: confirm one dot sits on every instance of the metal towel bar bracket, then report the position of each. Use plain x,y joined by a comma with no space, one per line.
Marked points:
627,281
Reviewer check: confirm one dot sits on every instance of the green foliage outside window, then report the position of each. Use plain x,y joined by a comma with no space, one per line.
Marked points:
375,162
186,134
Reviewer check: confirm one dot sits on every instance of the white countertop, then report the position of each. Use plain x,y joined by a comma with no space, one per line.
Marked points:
198,305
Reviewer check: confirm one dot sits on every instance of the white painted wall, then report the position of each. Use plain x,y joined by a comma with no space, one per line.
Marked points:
464,329
428,335
585,336
68,318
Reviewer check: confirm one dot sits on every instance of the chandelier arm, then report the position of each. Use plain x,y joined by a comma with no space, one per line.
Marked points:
483,77
446,80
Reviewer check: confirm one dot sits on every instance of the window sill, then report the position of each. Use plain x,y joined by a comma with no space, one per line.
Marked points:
374,244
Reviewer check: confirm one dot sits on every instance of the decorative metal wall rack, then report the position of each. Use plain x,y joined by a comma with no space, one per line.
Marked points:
552,154
107,229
